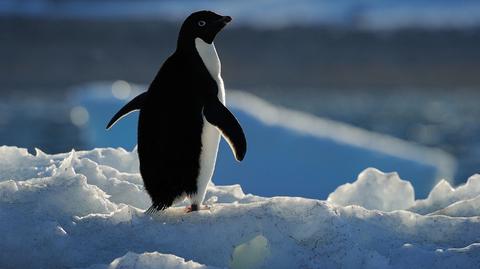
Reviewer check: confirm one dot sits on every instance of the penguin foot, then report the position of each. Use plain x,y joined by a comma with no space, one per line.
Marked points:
193,208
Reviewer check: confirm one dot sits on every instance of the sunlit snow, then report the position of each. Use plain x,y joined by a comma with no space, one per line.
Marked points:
86,210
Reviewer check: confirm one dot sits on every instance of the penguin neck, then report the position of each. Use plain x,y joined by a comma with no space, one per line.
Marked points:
209,56
185,43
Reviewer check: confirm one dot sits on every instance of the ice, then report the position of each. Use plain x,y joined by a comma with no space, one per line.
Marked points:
465,208
297,153
250,254
77,210
375,190
444,195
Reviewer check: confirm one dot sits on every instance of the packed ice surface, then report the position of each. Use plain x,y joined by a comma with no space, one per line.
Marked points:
86,210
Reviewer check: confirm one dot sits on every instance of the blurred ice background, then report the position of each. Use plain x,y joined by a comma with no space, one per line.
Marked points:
403,70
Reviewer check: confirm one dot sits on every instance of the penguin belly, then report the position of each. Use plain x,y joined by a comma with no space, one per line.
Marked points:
208,156
210,134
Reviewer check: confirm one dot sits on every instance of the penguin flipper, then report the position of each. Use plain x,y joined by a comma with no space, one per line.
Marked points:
219,116
135,104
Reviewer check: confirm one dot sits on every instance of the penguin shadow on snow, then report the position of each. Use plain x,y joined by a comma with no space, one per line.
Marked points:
183,116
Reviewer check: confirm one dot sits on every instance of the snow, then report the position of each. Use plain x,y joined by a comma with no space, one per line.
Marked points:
443,195
85,209
375,190
153,260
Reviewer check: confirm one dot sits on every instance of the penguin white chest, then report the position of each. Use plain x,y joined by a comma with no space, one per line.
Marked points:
210,135
210,59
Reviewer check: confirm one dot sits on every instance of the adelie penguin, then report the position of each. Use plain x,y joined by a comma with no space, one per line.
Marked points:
182,116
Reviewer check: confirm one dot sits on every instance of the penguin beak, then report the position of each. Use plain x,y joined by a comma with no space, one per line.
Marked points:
225,19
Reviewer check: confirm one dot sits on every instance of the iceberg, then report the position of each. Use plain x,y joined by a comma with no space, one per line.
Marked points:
289,152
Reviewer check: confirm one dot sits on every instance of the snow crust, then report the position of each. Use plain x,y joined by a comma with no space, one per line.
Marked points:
86,210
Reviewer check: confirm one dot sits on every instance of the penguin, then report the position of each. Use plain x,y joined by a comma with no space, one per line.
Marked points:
182,117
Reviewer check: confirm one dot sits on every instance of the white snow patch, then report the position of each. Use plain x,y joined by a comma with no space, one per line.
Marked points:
464,208
375,190
153,260
86,210
444,195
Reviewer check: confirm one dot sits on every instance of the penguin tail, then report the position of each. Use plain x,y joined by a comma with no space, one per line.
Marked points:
153,209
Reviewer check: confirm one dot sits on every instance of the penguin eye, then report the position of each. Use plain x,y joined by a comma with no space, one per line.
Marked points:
201,23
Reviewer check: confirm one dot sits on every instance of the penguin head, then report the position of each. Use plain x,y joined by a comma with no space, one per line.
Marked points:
203,24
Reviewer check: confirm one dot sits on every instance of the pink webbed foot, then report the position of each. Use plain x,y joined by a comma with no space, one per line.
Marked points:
193,208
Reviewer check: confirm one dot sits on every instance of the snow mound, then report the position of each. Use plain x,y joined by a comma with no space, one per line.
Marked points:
443,195
152,260
86,210
375,190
